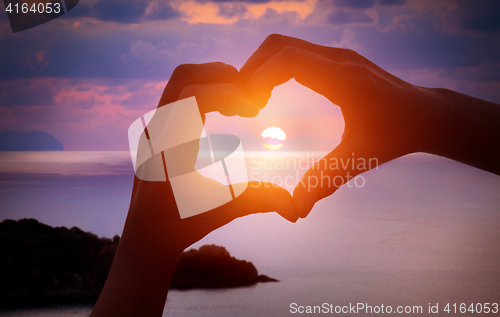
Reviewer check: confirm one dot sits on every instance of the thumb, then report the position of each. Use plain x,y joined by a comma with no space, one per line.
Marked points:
330,173
259,197
309,69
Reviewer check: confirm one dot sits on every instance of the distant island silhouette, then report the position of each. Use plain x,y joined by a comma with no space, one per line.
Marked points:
28,141
41,265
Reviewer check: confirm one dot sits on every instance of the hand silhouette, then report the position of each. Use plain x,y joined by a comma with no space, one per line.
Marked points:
385,117
154,235
216,88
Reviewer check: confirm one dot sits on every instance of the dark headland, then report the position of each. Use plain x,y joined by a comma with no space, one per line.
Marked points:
28,141
41,265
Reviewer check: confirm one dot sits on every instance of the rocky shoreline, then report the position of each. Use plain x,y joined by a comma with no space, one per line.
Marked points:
41,266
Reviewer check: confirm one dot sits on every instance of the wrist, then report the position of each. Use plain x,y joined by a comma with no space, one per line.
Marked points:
437,121
463,128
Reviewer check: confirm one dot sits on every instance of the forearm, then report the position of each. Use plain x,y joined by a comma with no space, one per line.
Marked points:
464,128
140,276
135,287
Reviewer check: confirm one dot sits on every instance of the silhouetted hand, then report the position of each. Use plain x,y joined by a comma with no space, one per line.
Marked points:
154,235
385,117
216,87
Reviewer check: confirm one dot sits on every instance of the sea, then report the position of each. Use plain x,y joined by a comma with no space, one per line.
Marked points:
420,234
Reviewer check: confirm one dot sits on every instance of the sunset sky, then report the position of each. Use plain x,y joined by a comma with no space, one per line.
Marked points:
86,76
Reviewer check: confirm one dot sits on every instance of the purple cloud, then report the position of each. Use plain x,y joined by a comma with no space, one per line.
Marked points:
341,17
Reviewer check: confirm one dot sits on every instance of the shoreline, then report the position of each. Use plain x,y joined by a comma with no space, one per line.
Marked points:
43,266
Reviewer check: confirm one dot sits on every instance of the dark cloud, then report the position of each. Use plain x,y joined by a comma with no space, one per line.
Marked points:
162,11
72,56
477,74
4,16
132,11
365,4
430,48
480,16
27,93
120,11
392,2
21,57
81,10
341,17
355,4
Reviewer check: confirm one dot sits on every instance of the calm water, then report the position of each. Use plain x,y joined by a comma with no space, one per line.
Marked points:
422,230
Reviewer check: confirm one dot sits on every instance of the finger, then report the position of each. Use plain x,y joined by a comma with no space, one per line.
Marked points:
275,42
324,76
227,113
349,159
266,197
188,74
222,97
259,197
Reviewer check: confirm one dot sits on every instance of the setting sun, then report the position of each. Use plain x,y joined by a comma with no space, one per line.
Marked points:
274,137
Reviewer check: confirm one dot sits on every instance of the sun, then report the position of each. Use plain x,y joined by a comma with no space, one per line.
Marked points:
274,137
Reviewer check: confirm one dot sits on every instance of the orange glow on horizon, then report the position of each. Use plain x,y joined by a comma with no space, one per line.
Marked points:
195,12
